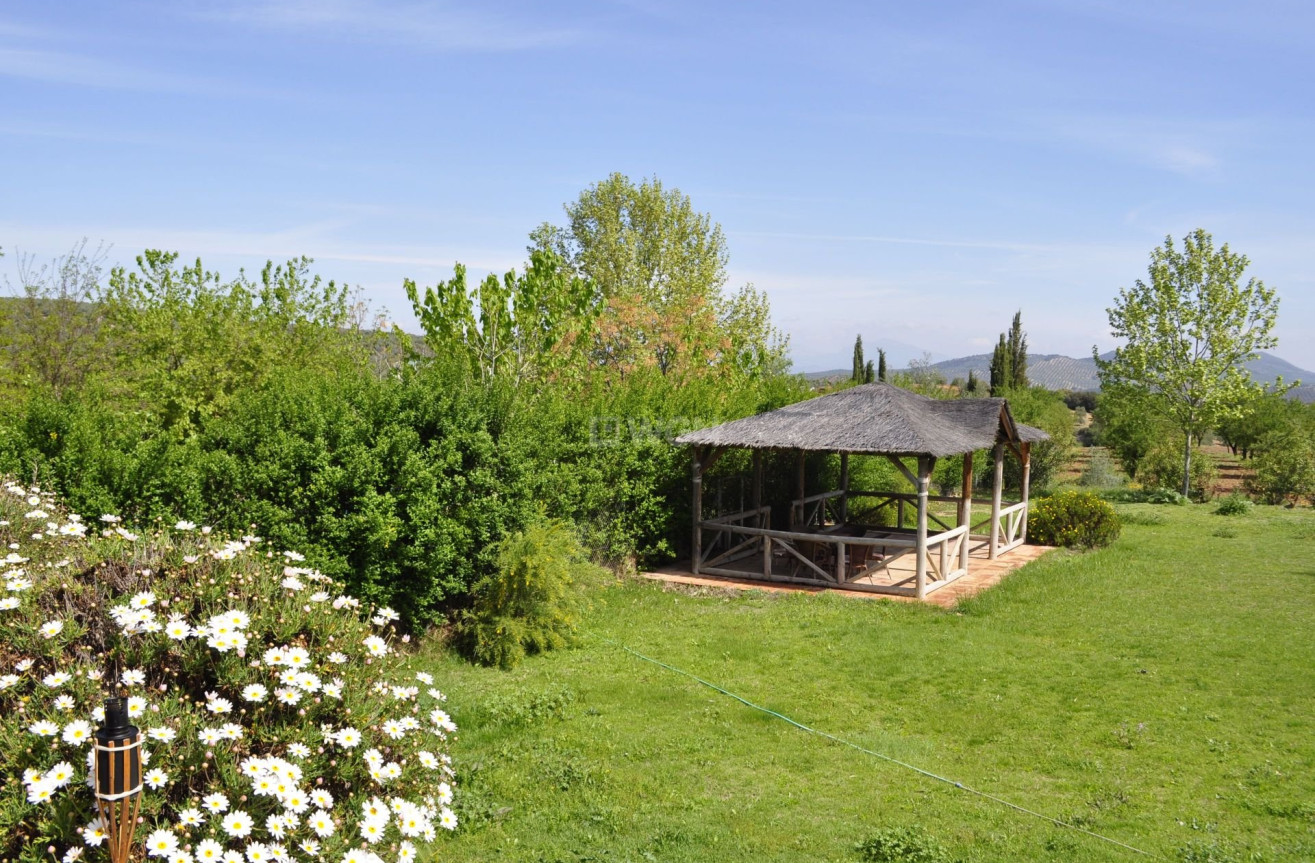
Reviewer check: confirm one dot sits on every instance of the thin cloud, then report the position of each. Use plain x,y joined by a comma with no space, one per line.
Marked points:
437,26
1188,148
61,67
904,241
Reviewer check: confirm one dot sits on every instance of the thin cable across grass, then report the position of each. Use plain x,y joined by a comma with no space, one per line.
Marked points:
874,754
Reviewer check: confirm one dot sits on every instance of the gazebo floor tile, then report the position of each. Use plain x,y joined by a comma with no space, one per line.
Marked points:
983,573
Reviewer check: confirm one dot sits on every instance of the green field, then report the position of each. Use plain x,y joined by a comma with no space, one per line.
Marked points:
1160,691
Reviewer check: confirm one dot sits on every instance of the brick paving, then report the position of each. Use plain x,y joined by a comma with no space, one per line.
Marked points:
983,573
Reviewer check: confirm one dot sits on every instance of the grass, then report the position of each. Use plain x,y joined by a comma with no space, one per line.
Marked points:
1157,691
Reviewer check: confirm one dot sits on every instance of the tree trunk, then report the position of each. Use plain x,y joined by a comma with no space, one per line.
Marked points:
1187,466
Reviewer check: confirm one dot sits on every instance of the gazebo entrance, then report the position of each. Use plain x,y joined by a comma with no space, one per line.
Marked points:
823,545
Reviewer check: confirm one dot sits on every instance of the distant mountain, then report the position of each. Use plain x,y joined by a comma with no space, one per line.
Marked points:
1058,372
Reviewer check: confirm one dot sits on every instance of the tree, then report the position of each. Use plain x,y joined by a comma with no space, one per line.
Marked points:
1271,412
1016,344
1187,334
54,330
869,373
659,270
1125,424
1009,360
186,343
514,327
973,384
1285,465
1000,372
881,365
857,375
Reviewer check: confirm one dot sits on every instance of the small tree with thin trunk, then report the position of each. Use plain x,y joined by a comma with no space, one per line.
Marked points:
1187,334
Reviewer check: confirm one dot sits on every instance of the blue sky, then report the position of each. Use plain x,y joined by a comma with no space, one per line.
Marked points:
911,171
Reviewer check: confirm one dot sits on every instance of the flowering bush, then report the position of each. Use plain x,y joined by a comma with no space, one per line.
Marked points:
277,723
1072,518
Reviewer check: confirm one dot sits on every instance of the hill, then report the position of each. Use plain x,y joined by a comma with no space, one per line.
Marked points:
1058,372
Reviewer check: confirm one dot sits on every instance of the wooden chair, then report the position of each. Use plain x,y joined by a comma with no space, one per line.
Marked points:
860,556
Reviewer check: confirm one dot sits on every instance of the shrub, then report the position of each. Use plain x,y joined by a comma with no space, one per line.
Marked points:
1072,518
533,603
1146,495
1234,504
902,845
1285,467
1100,472
1162,467
240,667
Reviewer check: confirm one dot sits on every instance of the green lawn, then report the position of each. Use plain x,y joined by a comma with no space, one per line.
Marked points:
1160,691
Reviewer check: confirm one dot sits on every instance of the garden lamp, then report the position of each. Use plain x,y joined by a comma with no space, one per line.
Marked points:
118,777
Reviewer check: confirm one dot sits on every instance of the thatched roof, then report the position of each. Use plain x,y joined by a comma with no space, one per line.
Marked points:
874,418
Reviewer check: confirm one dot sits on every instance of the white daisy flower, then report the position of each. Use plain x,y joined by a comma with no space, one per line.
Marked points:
163,734
161,843
77,732
190,817
322,823
238,824
44,728
60,775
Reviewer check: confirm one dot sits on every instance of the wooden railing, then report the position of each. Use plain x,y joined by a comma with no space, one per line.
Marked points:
742,540
719,535
1007,532
812,511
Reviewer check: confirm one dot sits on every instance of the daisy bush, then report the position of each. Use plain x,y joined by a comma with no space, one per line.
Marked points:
281,720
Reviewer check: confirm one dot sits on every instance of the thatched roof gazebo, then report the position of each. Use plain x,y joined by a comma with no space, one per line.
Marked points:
821,545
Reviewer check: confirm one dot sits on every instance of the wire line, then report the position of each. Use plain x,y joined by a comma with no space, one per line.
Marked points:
959,785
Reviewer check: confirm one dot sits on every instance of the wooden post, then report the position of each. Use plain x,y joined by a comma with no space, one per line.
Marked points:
757,479
996,488
696,468
966,508
844,487
840,562
1027,482
799,491
925,464
767,557
899,513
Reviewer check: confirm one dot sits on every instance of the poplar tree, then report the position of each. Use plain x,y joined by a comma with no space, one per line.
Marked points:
1187,334
857,374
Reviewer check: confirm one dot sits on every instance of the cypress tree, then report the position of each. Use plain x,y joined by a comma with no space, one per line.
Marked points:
1017,343
857,374
881,365
869,373
1000,372
973,384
